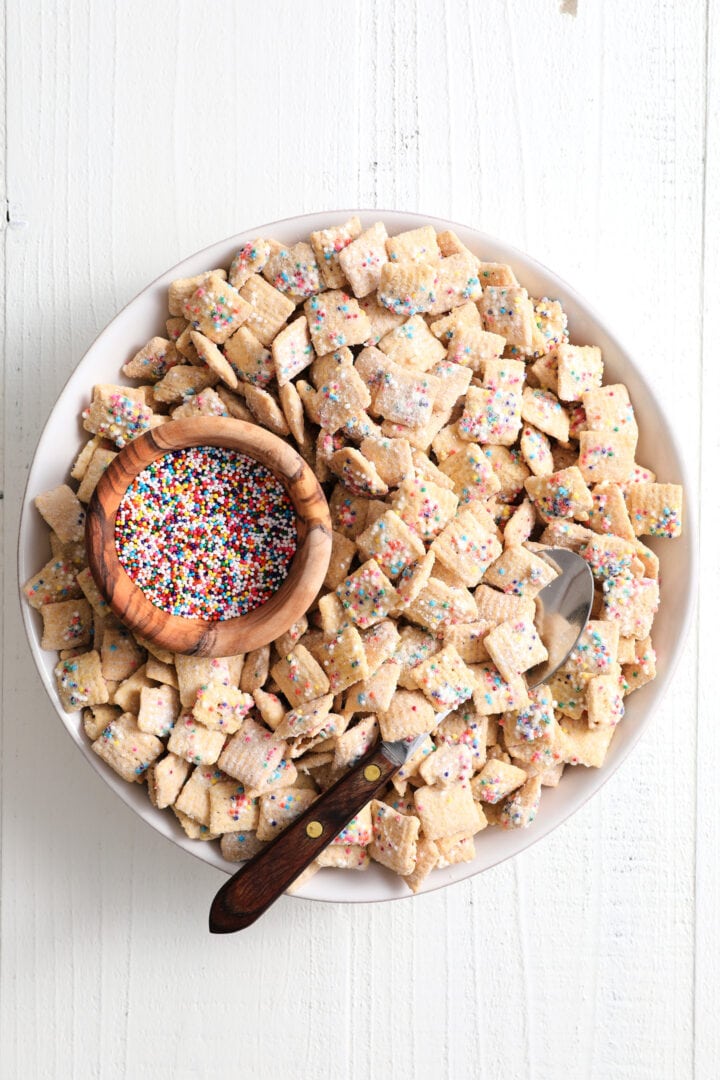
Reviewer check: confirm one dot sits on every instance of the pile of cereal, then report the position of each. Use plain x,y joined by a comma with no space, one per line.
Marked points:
457,432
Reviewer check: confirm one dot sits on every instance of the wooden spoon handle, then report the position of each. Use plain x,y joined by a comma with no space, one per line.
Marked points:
264,878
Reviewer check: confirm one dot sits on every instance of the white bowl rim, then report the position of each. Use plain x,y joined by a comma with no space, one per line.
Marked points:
523,839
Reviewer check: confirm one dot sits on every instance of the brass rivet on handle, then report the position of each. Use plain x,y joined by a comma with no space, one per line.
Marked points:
372,772
314,829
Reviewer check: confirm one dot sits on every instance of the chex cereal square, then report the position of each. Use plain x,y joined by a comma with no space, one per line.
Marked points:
328,245
362,260
127,749
655,509
367,595
507,311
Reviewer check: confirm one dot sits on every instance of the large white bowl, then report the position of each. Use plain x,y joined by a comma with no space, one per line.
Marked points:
145,316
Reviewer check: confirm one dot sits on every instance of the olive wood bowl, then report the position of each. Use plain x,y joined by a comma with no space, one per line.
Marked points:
202,637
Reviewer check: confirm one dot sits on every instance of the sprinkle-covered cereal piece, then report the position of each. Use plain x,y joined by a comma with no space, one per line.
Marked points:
609,512
391,457
357,474
249,260
562,494
159,709
394,838
655,509
549,327
279,808
292,350
456,282
299,676
472,474
335,319
496,780
328,245
194,742
445,811
367,595
631,602
466,547
408,287
444,679
583,745
269,308
255,757
415,245
439,605
609,556
405,396
521,808
249,359
391,543
493,694
596,650
579,368
80,682
353,744
222,708
535,721
640,669
230,810
118,413
363,259
514,647
605,456
604,701
425,507
608,408
165,778
447,327
343,660
412,345
543,410
58,580
152,361
127,749
67,624
408,715
381,320
474,347
181,383
507,311
294,271
491,416
216,309
520,571
182,289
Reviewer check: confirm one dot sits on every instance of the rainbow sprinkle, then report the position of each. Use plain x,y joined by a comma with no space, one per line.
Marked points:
206,533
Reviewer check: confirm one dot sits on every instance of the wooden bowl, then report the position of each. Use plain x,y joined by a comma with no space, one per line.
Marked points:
202,637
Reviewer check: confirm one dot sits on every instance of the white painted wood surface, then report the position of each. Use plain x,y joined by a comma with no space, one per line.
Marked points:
138,132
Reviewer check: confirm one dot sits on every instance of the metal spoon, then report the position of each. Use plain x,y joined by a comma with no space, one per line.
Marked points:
563,609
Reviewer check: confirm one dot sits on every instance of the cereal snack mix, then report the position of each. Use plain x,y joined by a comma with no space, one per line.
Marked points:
458,430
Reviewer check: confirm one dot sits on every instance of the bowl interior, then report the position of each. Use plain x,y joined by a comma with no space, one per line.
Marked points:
144,317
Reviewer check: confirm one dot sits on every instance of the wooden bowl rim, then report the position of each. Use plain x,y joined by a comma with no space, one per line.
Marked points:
204,637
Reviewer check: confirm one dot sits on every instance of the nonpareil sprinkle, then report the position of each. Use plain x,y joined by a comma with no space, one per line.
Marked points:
206,533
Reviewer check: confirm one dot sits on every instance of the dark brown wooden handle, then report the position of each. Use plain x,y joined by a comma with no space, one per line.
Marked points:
264,878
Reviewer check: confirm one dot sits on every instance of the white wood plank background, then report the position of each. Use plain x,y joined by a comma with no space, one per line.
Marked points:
135,133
